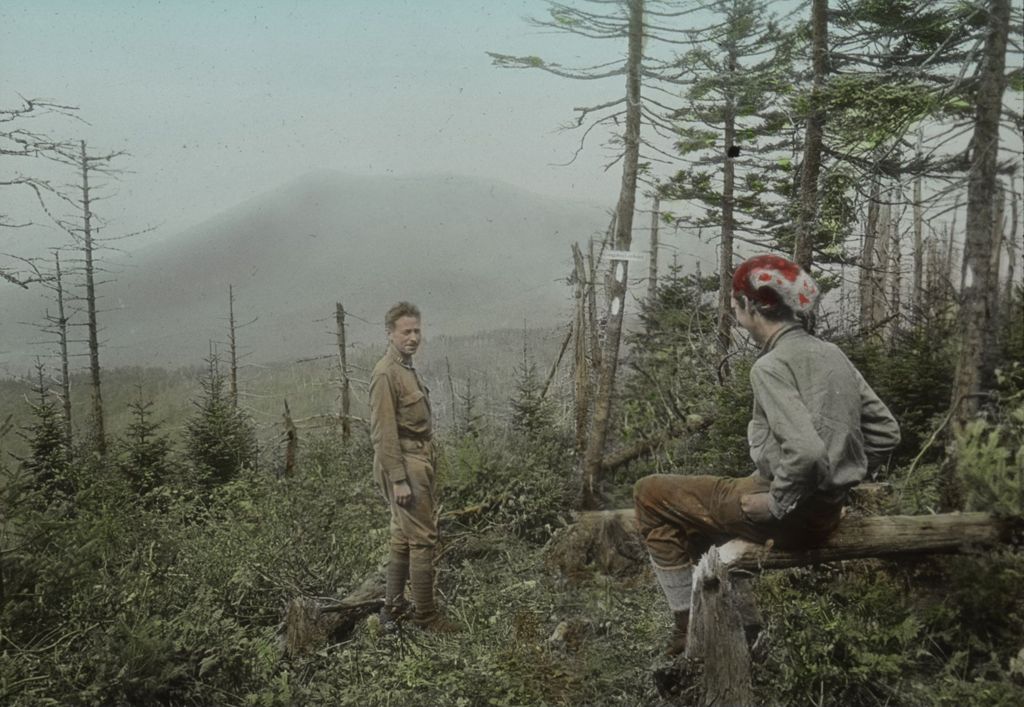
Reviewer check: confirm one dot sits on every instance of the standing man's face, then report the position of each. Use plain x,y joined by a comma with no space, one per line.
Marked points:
405,335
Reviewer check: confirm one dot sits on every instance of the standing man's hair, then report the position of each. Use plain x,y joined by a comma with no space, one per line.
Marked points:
402,309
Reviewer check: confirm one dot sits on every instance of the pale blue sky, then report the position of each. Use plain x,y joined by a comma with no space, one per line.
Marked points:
218,101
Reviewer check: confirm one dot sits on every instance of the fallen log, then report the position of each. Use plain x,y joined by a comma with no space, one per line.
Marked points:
607,541
879,536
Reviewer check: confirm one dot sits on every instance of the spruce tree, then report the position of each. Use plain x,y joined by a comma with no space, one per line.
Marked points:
144,461
532,414
48,462
220,438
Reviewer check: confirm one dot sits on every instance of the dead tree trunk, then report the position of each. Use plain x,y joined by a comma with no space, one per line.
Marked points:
591,495
652,269
451,395
895,275
232,349
98,428
556,364
346,424
291,442
803,249
868,259
1011,251
916,297
883,243
65,375
581,361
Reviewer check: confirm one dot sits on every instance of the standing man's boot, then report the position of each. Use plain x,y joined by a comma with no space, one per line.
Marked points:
396,606
677,585
421,580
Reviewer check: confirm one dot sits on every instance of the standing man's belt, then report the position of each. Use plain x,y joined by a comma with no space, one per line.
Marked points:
413,443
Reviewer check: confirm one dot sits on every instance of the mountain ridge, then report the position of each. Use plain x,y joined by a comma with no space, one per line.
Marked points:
473,253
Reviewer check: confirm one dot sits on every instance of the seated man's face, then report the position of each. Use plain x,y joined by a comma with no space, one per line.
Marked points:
743,317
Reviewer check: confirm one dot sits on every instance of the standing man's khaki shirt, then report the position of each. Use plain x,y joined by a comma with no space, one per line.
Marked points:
399,415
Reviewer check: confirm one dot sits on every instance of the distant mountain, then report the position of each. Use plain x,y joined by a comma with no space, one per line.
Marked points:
474,254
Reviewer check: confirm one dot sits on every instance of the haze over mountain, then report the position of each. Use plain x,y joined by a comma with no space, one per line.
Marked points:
474,254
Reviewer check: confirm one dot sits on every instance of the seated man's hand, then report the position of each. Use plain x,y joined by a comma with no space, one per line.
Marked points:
755,507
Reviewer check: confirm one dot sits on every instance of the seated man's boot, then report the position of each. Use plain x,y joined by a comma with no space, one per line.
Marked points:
677,641
677,585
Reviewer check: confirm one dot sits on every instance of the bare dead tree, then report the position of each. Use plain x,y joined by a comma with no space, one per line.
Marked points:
591,493
652,268
88,164
895,266
62,333
22,145
868,255
346,424
1011,250
581,361
291,440
918,255
83,226
233,354
233,349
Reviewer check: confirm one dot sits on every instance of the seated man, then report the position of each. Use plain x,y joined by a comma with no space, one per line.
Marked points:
816,428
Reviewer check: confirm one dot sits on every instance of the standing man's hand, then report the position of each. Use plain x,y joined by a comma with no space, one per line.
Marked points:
402,492
755,507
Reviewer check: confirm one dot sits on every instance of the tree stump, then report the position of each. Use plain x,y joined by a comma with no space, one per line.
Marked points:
603,540
716,637
310,623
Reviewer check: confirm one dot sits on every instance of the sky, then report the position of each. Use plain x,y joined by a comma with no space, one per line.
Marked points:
217,101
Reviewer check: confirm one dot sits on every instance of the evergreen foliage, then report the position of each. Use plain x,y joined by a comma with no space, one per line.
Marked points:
678,382
220,438
913,374
739,78
48,462
532,413
143,455
990,463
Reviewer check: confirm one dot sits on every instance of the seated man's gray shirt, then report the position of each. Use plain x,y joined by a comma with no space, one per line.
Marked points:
817,425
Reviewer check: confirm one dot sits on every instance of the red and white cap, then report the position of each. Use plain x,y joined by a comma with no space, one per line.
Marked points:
772,280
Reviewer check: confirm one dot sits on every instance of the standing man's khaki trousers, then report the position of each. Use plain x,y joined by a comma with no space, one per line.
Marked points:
412,530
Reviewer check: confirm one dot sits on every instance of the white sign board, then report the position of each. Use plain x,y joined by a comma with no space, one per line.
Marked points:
626,255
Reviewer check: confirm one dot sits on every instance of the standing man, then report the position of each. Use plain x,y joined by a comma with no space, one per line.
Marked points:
816,428
404,467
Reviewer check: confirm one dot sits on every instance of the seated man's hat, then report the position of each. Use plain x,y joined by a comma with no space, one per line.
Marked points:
772,280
